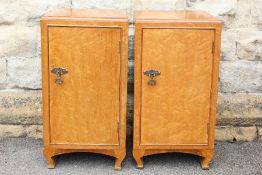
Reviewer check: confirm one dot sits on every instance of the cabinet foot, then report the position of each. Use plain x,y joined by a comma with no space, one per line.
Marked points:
118,163
207,156
138,155
51,163
205,161
120,156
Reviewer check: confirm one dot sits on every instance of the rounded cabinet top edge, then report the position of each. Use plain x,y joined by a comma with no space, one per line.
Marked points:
93,14
174,16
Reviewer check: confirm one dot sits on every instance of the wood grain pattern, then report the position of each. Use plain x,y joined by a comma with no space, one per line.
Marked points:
177,107
98,14
83,106
206,155
182,15
87,112
178,113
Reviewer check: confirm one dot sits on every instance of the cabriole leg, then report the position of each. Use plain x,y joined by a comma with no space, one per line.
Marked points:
206,158
51,162
120,156
137,154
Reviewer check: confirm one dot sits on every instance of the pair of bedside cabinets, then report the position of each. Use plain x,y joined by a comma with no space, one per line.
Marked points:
84,79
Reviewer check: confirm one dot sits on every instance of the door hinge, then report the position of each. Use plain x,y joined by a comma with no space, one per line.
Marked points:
213,47
118,128
208,132
119,46
208,125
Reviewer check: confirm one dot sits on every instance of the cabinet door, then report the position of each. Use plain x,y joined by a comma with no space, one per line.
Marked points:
84,109
175,111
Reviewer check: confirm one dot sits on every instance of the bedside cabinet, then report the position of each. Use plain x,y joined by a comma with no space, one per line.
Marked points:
84,79
176,76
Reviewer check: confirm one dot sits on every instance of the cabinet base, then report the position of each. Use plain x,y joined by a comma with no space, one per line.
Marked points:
206,155
50,154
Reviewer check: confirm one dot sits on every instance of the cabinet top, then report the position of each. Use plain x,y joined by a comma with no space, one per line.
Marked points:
178,15
87,13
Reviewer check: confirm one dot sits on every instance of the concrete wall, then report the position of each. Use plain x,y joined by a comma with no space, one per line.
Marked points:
240,88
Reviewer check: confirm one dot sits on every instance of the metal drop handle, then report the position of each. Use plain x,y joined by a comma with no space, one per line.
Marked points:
152,73
59,71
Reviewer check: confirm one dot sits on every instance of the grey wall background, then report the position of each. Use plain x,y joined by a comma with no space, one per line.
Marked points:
240,88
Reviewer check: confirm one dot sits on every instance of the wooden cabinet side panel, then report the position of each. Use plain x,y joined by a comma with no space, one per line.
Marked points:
137,85
123,85
45,82
214,93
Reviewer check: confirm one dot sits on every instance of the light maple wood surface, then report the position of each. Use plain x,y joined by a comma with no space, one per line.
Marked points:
177,114
177,107
87,112
87,103
97,14
182,15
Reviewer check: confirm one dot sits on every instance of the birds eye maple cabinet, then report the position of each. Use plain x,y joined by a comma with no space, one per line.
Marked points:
176,75
84,76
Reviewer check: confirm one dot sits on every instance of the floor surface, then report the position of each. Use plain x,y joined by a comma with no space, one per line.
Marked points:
24,157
